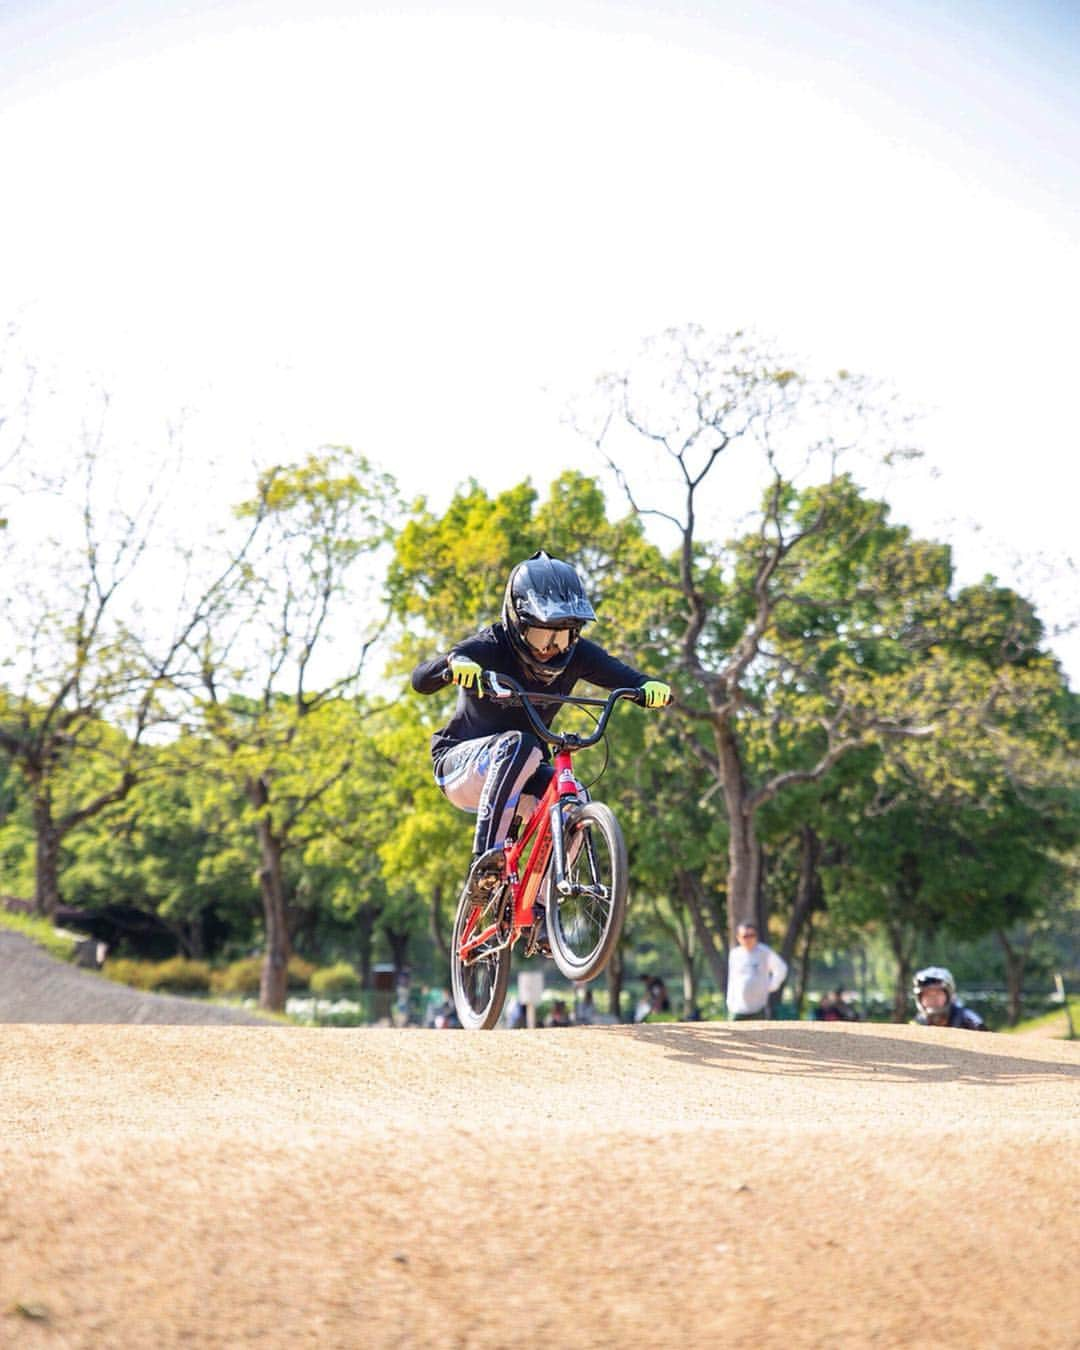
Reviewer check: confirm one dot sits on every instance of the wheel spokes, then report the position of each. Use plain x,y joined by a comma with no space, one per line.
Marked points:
583,917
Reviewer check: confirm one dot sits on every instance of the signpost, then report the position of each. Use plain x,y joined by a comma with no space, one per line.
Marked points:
530,992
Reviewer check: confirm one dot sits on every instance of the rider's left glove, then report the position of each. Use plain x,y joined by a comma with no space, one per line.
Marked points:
657,693
466,673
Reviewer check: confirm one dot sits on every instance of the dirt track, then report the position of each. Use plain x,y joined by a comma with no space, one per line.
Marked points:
752,1185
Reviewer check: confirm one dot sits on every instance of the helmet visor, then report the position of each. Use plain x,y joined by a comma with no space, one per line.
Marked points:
548,639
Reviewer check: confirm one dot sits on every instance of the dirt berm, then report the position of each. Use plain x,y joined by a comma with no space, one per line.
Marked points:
683,1185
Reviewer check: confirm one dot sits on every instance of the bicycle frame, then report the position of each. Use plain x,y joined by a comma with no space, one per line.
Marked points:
542,834
524,884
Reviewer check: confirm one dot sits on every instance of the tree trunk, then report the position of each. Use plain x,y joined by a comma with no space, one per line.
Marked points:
903,948
692,894
689,981
804,967
436,927
274,980
46,854
744,853
807,891
614,983
399,949
190,938
1015,961
365,931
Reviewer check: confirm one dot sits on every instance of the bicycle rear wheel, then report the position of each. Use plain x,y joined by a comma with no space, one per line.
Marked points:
584,928
479,986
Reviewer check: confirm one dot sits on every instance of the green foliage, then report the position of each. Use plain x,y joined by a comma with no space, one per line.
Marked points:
135,974
337,981
1056,1024
300,973
178,975
238,979
921,731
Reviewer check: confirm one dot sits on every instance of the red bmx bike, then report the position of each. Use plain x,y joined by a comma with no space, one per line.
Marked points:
570,854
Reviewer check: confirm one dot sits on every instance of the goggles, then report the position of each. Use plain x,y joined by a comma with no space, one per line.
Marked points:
543,639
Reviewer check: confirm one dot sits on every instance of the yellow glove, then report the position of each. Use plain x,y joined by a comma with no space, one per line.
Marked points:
466,673
657,693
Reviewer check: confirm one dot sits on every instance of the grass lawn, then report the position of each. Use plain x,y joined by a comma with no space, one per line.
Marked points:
40,931
1052,1024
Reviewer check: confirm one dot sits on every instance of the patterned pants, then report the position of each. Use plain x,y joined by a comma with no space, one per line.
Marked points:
497,777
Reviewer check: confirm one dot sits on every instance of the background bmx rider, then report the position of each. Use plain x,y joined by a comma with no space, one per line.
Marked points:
934,990
487,759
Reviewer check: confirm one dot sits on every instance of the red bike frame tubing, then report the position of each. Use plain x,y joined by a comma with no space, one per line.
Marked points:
538,833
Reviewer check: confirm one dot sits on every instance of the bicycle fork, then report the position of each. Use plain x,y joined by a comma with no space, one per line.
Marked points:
568,797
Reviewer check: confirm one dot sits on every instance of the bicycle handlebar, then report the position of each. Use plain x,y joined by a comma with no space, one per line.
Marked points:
504,689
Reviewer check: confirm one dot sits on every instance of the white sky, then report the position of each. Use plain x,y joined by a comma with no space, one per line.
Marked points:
420,231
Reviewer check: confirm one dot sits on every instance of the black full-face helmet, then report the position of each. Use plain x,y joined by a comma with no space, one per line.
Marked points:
544,610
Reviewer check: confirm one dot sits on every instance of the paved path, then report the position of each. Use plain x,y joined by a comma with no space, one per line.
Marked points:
35,987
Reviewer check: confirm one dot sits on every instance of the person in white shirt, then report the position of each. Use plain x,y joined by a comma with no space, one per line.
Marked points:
754,972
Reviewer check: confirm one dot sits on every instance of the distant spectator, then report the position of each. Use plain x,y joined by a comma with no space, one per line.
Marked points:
835,1008
754,972
934,991
433,1002
400,1015
654,999
559,1015
585,1009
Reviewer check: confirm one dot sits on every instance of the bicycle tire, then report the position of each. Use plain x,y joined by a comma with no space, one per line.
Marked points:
584,931
479,989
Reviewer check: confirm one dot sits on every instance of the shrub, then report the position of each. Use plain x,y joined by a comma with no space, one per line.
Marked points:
239,978
337,981
175,976
300,972
137,974
179,975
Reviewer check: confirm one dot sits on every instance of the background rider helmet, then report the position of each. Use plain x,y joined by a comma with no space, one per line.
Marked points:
544,610
935,991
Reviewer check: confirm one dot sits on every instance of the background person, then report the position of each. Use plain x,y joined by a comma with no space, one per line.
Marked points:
654,998
754,972
834,1007
934,991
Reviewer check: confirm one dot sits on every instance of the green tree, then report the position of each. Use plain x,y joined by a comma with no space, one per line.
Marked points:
819,631
89,672
270,695
163,852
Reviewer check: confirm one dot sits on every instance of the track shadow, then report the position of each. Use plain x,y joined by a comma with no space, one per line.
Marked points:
804,1052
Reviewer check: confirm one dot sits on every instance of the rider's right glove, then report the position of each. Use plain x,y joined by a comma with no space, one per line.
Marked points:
657,693
466,673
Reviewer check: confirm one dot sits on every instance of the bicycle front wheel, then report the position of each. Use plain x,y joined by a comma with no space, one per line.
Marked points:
479,981
584,927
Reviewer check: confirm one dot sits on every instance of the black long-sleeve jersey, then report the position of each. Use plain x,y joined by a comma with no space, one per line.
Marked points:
959,1016
474,717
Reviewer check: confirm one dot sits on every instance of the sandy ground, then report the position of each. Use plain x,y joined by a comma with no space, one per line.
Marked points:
757,1185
